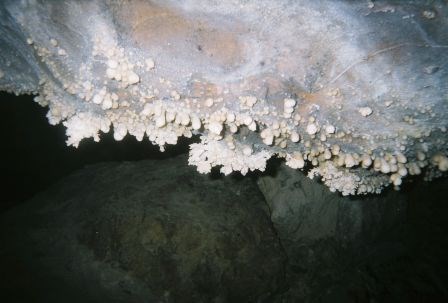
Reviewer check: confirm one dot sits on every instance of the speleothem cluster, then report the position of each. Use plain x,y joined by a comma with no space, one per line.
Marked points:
355,93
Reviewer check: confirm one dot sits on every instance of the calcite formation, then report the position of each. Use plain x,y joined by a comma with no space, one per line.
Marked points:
355,93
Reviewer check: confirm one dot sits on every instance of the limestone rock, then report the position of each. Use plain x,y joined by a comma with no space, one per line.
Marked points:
354,88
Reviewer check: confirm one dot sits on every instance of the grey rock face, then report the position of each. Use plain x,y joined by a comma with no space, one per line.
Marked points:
142,232
159,232
323,232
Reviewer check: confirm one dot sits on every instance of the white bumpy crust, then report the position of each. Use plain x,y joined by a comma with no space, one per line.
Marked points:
263,79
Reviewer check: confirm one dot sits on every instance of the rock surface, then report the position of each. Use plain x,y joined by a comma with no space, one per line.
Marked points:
147,231
385,248
302,209
156,231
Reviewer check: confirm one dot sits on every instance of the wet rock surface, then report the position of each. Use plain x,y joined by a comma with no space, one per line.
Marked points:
147,231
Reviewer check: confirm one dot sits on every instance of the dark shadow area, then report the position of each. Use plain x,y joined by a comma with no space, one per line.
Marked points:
408,263
34,154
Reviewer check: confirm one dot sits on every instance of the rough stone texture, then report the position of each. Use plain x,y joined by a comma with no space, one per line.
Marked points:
155,231
408,263
149,231
324,233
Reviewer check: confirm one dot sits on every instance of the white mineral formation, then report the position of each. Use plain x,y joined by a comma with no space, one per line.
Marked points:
355,93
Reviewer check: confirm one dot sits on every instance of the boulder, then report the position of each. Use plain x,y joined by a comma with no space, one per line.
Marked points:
322,232
148,231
